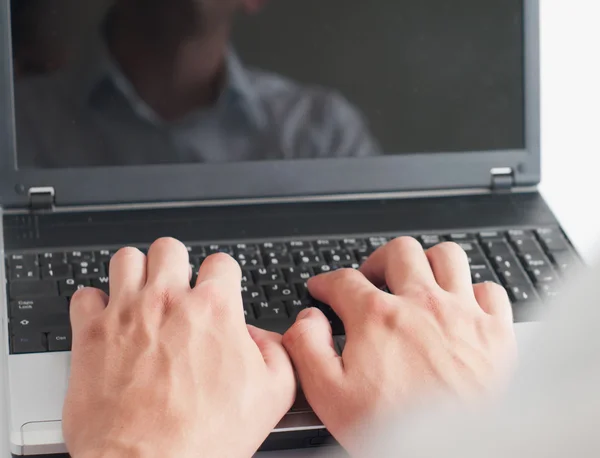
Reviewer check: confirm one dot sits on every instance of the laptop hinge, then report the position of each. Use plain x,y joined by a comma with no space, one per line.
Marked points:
503,179
41,198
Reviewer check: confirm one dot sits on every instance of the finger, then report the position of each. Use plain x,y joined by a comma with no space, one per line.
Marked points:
309,343
220,267
450,266
401,265
86,304
168,264
494,300
219,286
275,356
127,272
346,291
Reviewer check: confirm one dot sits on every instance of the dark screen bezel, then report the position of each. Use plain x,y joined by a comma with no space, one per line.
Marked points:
271,179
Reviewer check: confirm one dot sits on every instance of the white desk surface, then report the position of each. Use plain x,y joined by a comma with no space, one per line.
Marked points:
570,131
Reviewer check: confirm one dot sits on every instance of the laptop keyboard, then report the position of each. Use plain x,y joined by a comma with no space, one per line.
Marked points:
529,263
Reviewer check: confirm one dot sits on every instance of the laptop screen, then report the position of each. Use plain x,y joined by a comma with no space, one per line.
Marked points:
146,82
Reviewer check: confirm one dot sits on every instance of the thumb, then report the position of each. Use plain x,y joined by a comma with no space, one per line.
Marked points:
309,342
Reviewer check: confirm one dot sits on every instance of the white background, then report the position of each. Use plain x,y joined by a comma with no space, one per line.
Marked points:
570,126
571,117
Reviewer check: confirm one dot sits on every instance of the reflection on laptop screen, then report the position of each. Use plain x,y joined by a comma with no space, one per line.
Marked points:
136,82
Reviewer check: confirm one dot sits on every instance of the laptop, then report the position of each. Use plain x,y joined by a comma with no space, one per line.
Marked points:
296,136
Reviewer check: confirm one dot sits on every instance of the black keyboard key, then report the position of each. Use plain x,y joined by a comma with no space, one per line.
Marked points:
80,256
249,314
273,247
565,260
275,259
548,291
282,292
22,261
247,248
302,290
525,246
362,254
298,274
325,268
214,249
339,257
543,275
252,293
104,255
27,308
481,273
377,242
29,342
249,261
89,270
59,340
270,276
554,243
326,244
496,247
535,258
273,310
507,261
522,293
102,283
57,271
41,323
489,236
517,234
469,247
295,306
22,272
70,286
513,276
429,241
354,244
476,258
33,289
462,237
308,258
247,278
52,258
198,251
300,245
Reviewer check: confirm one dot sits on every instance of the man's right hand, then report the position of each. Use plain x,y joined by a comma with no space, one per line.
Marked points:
435,334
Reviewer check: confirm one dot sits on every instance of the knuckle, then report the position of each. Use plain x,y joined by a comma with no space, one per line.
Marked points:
96,330
160,298
395,320
376,304
429,300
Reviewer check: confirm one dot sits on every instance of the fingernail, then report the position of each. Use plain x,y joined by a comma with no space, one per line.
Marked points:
304,313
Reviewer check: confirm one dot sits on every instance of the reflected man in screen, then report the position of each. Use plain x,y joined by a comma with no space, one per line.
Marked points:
162,84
